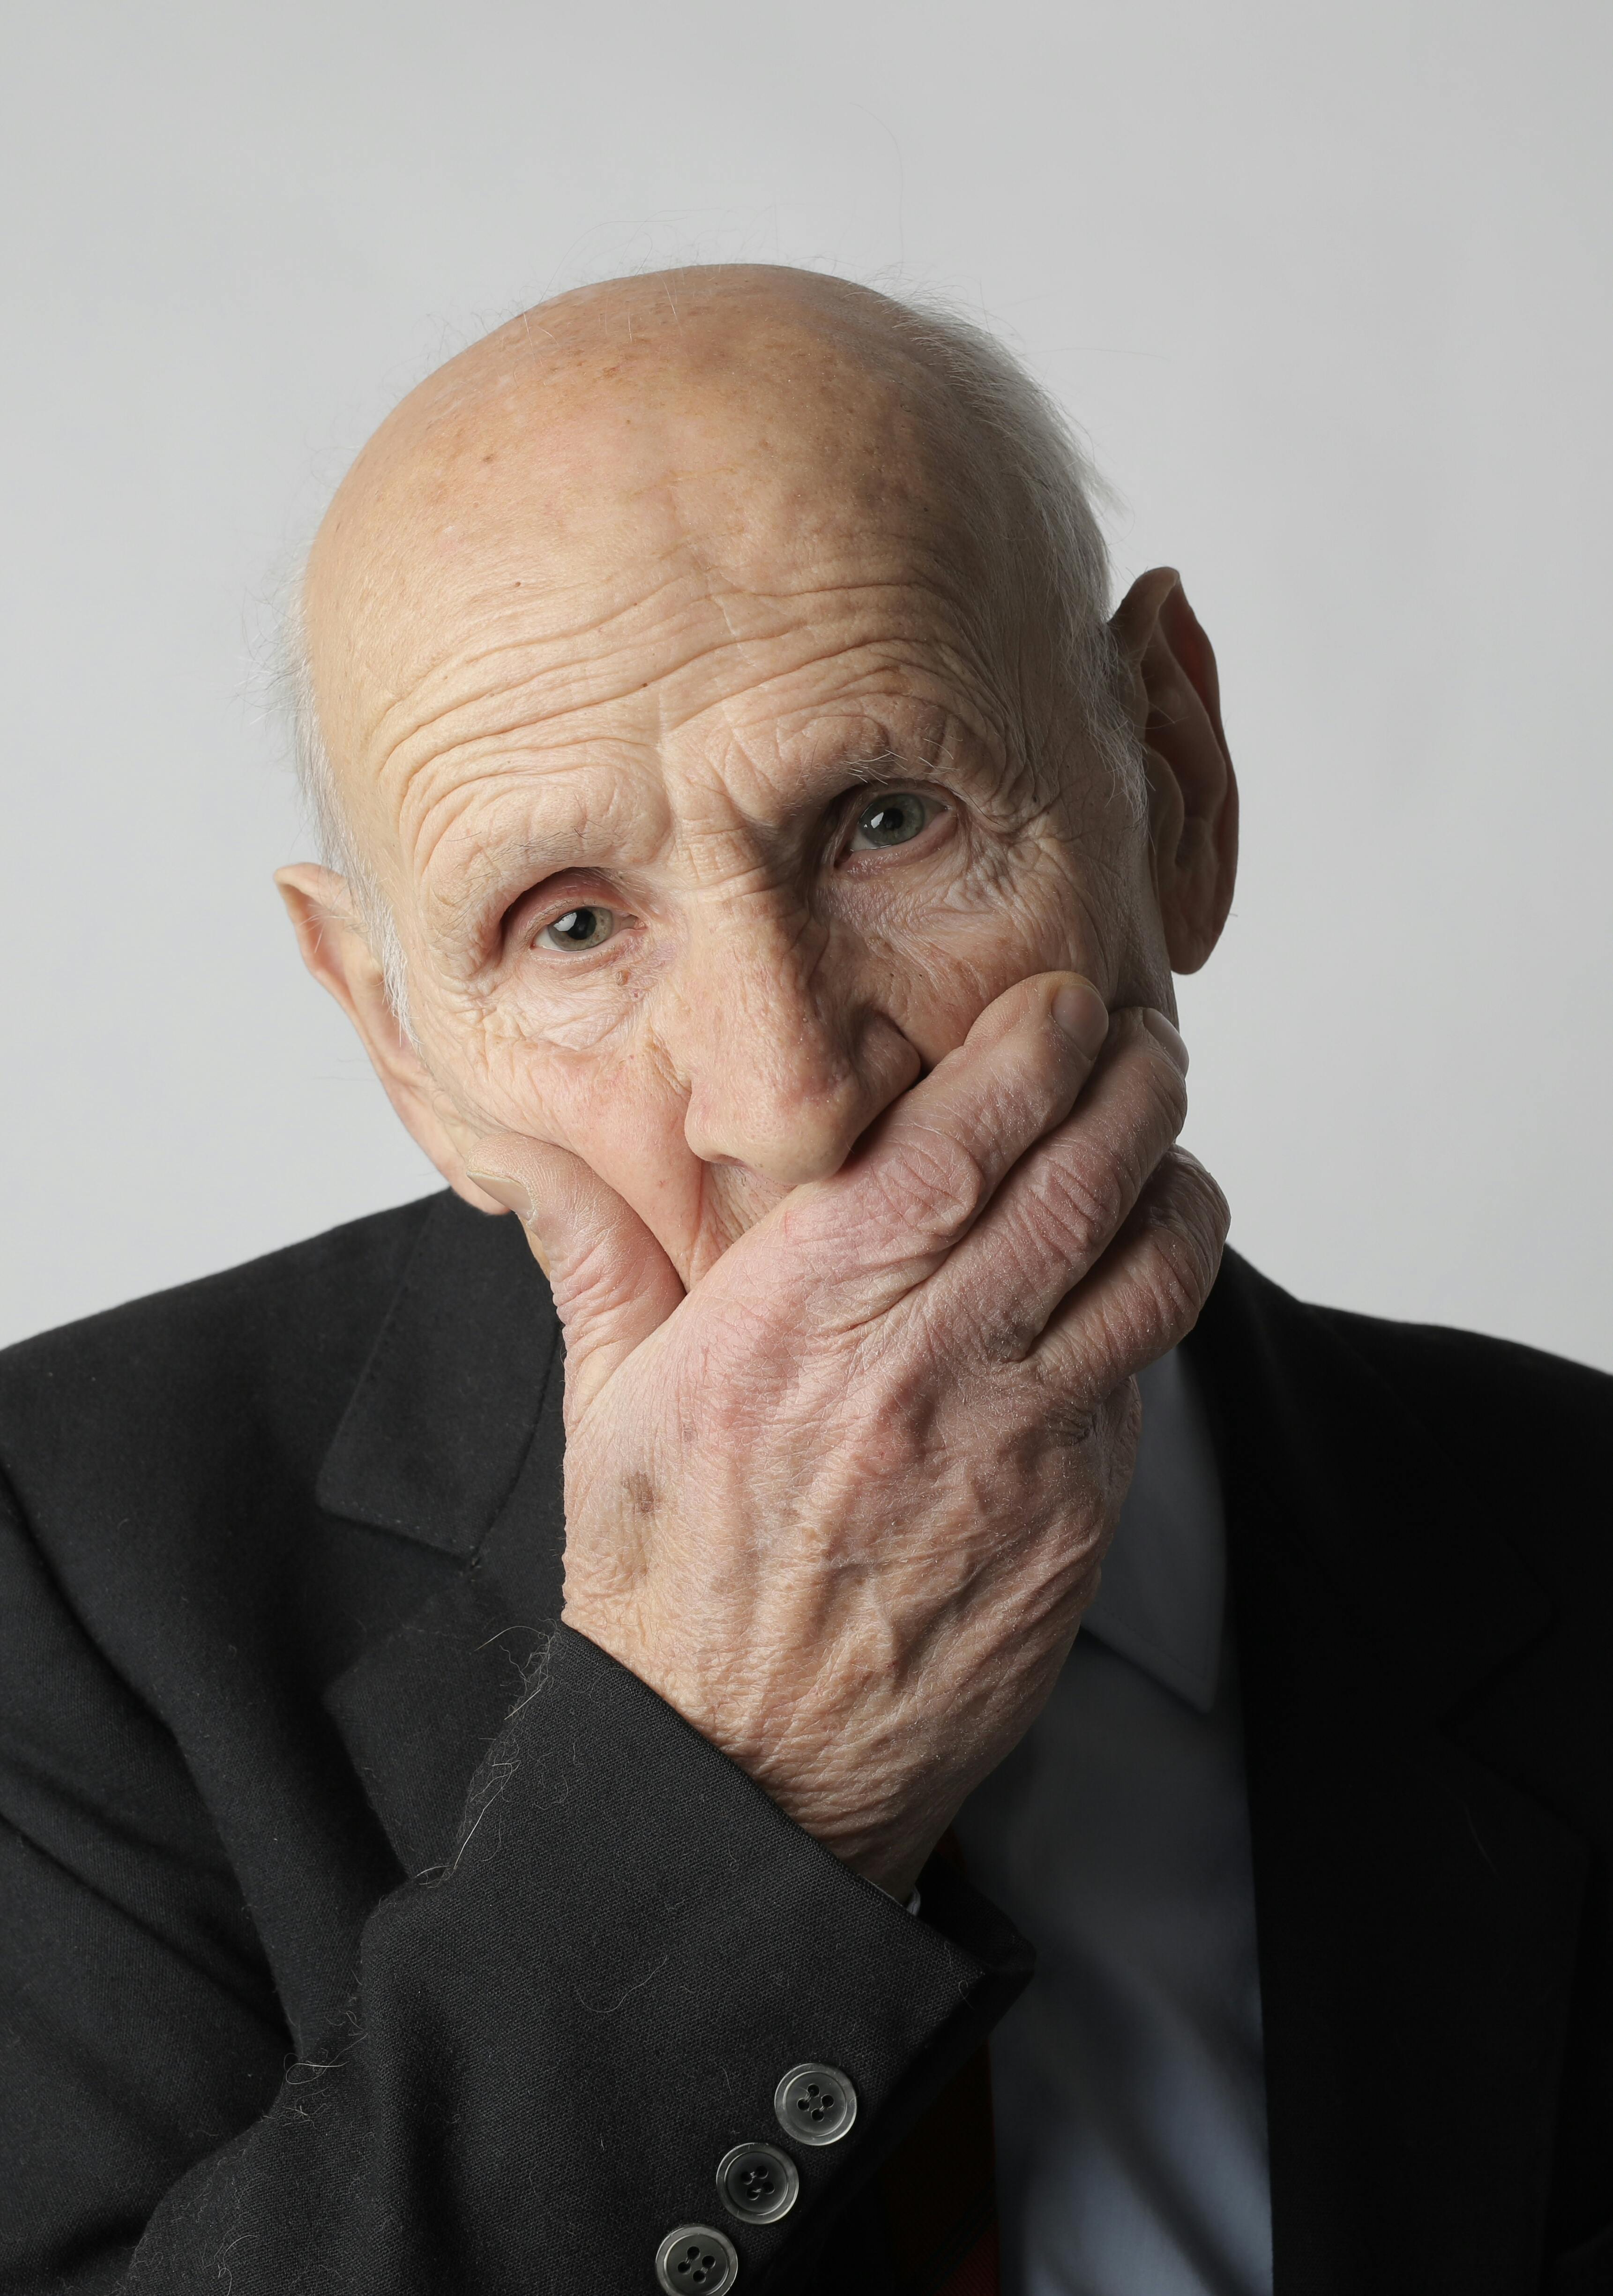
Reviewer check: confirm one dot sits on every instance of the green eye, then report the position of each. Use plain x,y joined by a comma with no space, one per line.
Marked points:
890,821
579,928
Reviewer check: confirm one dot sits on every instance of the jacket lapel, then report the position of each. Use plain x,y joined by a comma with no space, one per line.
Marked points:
454,1439
1417,1914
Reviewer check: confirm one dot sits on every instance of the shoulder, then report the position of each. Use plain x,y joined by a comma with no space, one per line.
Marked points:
1518,1414
1462,1384
1532,1432
1500,1384
1485,1429
261,1356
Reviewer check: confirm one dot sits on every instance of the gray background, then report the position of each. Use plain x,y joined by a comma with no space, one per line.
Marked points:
1327,287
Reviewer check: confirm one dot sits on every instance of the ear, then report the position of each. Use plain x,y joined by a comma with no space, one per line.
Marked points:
337,951
1192,790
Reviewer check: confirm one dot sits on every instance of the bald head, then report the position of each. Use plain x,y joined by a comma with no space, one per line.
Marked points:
711,708
710,413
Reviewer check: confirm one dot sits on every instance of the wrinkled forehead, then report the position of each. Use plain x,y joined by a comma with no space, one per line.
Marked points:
538,493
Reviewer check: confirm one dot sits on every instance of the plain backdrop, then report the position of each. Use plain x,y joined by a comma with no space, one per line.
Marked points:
1328,290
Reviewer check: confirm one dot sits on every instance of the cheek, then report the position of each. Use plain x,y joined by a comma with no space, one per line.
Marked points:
502,1066
938,966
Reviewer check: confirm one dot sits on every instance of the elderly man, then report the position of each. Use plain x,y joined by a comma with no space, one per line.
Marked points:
478,1828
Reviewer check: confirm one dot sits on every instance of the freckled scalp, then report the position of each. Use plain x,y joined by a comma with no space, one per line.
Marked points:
728,428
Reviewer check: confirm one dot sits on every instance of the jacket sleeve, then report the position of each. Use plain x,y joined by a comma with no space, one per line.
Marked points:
551,2044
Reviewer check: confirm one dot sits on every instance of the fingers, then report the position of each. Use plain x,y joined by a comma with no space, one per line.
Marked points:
613,1284
934,1163
1062,1207
1145,1293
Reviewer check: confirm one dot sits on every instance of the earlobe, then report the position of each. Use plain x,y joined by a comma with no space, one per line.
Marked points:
337,953
1193,789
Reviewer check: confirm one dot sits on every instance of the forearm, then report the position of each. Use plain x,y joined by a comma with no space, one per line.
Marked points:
555,2043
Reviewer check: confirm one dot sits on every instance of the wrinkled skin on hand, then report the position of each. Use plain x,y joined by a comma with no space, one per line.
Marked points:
698,733
843,1505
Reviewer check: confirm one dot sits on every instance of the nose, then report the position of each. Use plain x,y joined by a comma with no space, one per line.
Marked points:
784,1071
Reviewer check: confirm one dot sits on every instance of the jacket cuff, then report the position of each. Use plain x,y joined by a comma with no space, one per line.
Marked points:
710,1946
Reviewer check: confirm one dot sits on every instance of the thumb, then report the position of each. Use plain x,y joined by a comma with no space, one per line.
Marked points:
613,1284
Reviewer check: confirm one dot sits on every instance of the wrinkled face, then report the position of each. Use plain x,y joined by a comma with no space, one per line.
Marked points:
712,804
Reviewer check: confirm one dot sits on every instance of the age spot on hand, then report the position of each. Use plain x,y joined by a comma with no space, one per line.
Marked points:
640,1493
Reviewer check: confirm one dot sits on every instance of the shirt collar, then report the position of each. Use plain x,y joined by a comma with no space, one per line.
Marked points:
1164,1587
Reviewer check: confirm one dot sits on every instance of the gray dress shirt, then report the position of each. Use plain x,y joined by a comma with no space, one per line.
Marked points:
1128,2080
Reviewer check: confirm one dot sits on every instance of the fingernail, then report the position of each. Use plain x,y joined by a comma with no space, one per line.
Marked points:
503,1190
1170,1036
1079,1012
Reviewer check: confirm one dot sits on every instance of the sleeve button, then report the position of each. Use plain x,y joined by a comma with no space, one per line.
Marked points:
693,2260
816,2104
758,2183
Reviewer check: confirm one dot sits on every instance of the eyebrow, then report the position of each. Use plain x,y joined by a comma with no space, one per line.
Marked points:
491,871
475,870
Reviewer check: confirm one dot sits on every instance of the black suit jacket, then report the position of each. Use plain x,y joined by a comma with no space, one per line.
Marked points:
366,1932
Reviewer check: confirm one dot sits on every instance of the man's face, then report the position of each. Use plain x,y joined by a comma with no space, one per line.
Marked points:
710,813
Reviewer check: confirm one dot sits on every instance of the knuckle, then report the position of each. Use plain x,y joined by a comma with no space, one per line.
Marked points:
1070,1422
1183,1224
1172,1268
1151,1071
1206,1195
933,1186
591,1283
1006,1314
1085,1197
1195,1197
1166,1087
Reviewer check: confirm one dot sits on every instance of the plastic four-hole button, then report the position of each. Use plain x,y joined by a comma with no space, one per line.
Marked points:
693,2260
758,2183
816,2104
